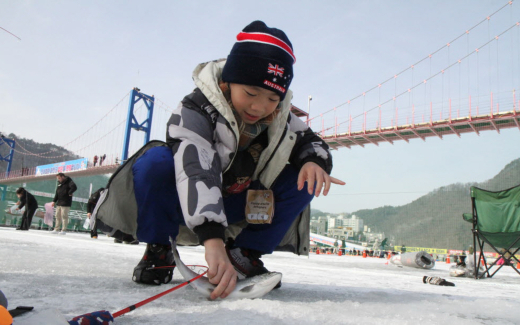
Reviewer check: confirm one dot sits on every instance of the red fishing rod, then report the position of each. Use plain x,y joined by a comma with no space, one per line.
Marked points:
144,302
104,317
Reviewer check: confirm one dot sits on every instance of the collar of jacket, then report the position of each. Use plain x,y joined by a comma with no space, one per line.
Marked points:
206,77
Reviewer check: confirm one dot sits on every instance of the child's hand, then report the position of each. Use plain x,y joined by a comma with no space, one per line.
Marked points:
313,173
221,271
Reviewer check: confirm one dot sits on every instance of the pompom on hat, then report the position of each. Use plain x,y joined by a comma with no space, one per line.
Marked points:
262,57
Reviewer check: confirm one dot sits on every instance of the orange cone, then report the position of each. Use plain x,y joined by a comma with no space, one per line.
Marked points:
518,265
317,251
339,252
448,259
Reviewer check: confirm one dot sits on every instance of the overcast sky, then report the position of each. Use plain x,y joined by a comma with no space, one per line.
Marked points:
77,59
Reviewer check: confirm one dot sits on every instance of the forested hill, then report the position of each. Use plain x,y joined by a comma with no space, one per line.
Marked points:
29,153
435,219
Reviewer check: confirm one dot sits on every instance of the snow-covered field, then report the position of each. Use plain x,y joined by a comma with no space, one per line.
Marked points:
75,275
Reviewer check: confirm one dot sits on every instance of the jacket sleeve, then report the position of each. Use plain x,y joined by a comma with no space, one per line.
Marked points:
72,187
308,146
90,206
198,170
22,202
55,196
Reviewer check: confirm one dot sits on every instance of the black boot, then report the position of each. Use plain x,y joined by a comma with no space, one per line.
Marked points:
156,266
247,262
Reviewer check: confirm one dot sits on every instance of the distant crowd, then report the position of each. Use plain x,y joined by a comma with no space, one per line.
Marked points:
351,252
101,159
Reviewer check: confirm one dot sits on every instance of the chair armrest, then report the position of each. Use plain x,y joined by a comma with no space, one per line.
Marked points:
467,217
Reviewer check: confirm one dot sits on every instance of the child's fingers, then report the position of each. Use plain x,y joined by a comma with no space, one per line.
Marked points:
213,273
327,185
220,285
217,292
319,184
230,287
224,284
301,179
310,183
337,181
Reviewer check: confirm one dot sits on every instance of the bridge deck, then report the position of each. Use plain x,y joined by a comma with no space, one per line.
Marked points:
15,177
439,129
457,126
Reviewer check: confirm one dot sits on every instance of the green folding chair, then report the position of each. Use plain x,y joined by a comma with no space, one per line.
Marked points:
496,222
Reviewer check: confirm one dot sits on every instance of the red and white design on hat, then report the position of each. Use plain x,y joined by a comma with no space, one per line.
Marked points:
275,69
266,39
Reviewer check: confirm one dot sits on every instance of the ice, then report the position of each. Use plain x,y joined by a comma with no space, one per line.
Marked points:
76,274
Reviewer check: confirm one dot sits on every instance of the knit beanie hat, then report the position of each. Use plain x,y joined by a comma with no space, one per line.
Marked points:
262,57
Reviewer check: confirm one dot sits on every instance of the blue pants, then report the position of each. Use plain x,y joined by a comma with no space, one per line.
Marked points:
160,214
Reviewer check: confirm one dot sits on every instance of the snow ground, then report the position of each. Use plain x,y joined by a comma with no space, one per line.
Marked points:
75,275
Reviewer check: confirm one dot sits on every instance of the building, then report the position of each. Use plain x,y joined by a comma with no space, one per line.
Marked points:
319,226
340,233
331,221
354,223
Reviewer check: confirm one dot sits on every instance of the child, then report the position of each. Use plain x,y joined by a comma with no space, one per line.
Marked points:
30,203
233,140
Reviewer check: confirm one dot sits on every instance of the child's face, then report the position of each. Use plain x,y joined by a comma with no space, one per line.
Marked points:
253,103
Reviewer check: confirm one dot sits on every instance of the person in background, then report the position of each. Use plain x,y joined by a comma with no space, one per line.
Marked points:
30,203
95,160
91,204
62,201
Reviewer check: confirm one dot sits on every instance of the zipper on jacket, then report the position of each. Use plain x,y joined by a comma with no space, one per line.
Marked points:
274,152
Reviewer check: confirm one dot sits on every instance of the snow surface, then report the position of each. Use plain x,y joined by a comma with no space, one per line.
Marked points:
76,274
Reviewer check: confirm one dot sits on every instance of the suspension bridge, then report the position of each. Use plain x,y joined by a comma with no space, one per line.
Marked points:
467,85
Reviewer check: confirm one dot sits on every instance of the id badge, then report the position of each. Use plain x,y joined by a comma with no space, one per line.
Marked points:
260,206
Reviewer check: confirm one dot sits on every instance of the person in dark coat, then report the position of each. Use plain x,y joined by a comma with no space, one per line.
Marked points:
30,203
91,204
63,200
